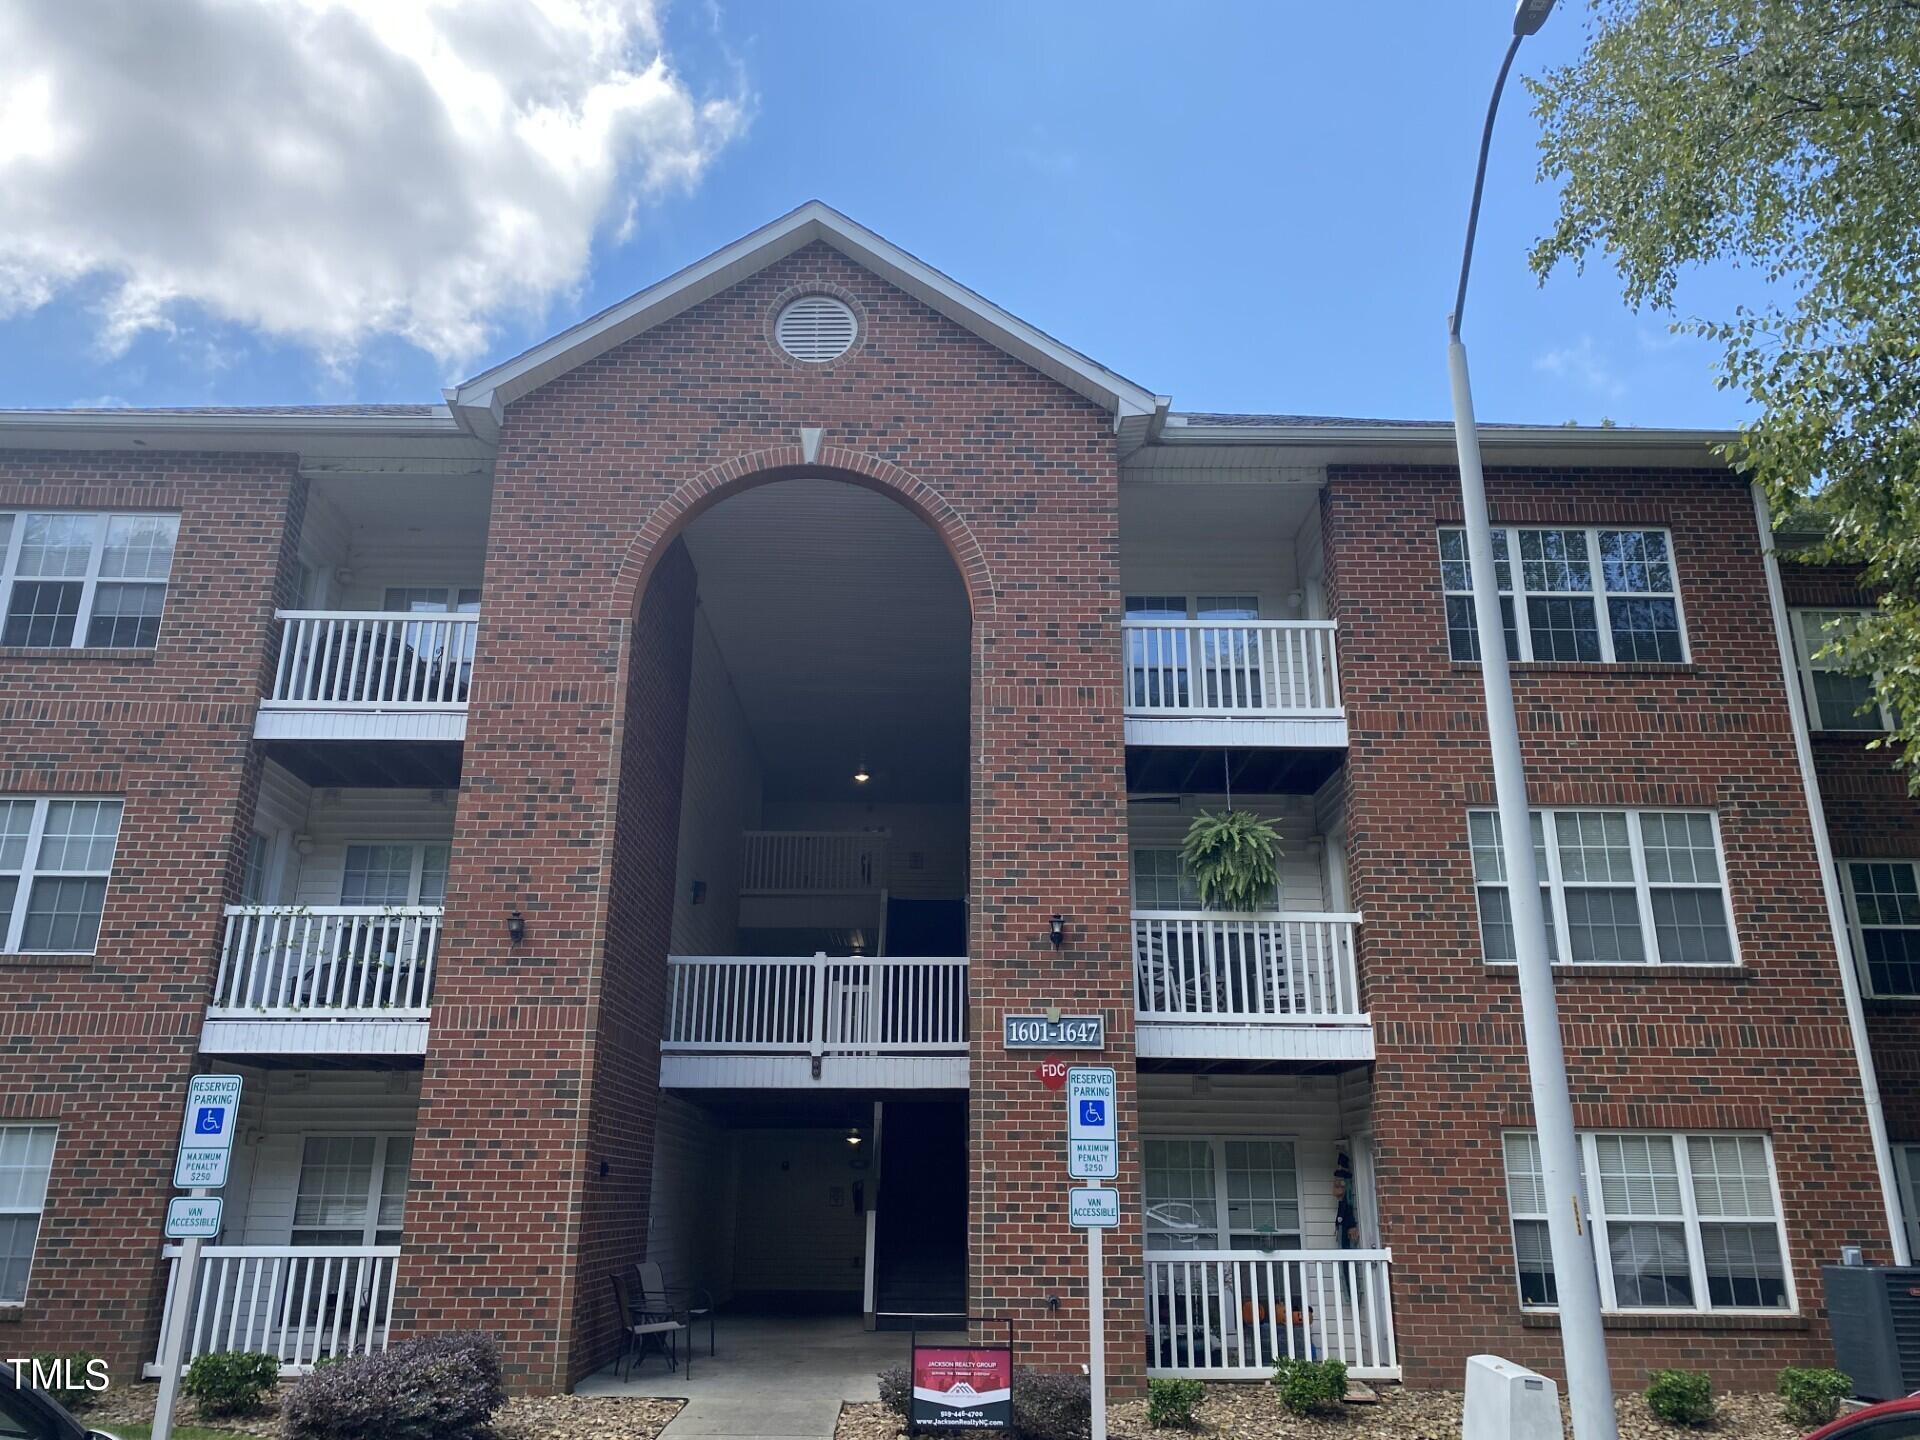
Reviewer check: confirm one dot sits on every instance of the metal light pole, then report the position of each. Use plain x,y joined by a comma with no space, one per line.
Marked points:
1583,1342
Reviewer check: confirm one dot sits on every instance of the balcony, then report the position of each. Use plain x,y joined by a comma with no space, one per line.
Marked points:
324,980
1232,1314
347,676
1256,986
299,1303
1254,683
815,1022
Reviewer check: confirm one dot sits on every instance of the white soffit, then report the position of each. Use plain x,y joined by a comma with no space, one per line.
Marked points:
481,402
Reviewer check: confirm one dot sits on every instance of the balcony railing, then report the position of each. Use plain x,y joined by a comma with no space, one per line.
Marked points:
1245,968
373,660
1249,669
320,962
298,1303
1233,1314
815,1005
812,862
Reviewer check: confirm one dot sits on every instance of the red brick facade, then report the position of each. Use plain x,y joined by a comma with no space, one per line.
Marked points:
1764,1047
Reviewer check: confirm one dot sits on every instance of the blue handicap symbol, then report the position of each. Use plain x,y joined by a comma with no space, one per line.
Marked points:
207,1122
1093,1112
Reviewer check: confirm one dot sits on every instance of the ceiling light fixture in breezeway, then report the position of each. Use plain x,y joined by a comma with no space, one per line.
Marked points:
860,773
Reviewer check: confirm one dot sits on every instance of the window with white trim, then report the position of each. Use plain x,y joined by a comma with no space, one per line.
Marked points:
26,1160
1837,698
1883,902
1680,1222
84,580
1218,1192
1619,887
395,874
1593,594
56,856
353,1190
1162,881
1906,1170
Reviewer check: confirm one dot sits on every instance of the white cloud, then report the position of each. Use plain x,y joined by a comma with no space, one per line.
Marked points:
326,171
1583,364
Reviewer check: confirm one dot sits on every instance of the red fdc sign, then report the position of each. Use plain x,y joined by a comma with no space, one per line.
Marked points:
1052,1072
962,1387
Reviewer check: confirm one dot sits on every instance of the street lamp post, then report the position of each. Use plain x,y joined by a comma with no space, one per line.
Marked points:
1583,1342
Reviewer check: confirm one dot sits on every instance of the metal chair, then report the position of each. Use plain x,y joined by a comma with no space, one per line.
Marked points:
692,1303
641,1325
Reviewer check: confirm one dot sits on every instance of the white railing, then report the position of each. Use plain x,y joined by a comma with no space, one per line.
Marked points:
815,1005
1232,1314
1259,669
373,660
327,962
812,861
299,1303
1251,968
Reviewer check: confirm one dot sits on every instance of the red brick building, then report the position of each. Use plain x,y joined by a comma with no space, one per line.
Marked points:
610,816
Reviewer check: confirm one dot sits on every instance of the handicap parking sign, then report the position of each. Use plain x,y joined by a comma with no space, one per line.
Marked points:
1090,1103
1093,1114
207,1122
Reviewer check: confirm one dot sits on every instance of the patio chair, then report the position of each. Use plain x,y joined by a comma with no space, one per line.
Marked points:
642,1325
691,1303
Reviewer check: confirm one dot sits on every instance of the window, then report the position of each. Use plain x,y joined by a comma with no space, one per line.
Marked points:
1683,1222
1619,887
253,887
1837,699
55,859
73,580
432,599
26,1159
353,1190
1201,1189
395,874
1588,595
1906,1169
1161,882
1883,897
1157,658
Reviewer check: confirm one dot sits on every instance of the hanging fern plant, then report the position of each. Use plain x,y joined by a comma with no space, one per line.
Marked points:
1233,858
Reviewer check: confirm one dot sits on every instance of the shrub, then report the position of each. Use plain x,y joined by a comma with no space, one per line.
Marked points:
1306,1385
1052,1407
1681,1397
232,1382
434,1387
1813,1396
72,1367
896,1390
1171,1402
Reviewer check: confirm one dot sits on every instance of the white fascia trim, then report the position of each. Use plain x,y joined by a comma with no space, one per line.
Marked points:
67,429
1176,432
1830,878
480,402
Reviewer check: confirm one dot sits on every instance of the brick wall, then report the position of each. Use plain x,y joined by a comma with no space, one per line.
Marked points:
1764,1047
102,1045
596,472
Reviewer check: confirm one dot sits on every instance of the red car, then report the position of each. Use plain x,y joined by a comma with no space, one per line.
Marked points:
1890,1420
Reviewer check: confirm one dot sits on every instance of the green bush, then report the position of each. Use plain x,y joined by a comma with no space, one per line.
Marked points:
67,1367
1813,1396
431,1387
1306,1385
1171,1402
232,1382
1681,1397
896,1390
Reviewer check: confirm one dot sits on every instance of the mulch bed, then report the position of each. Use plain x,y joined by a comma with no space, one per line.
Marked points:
1252,1412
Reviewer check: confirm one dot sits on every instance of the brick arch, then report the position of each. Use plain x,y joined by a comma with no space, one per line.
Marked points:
785,462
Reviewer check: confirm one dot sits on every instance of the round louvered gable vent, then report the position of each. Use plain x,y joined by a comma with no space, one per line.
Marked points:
815,328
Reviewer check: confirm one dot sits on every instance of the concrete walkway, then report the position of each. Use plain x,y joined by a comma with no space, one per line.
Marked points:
772,1378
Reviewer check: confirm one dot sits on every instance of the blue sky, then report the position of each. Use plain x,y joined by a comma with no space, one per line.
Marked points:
1245,206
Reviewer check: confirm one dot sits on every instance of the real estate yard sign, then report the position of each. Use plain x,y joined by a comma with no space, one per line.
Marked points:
962,1387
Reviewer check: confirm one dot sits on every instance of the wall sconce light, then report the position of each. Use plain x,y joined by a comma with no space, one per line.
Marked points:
303,845
516,927
1057,931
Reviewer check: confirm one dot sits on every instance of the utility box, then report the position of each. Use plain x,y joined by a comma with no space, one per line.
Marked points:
1506,1401
1874,1312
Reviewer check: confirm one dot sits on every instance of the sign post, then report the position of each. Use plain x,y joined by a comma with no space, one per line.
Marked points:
1093,1146
206,1148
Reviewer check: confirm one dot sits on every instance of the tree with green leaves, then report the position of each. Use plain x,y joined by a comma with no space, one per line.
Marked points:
1783,138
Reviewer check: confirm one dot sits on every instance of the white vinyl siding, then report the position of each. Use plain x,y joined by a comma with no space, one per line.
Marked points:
1883,906
1837,699
56,856
1620,887
77,580
26,1160
1597,594
1680,1222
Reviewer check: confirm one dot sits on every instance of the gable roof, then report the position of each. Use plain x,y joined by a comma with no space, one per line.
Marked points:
480,403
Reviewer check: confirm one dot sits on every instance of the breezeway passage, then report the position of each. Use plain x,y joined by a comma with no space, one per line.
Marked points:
771,1377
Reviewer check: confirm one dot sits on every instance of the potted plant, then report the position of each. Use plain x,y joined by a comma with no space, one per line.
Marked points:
1233,858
